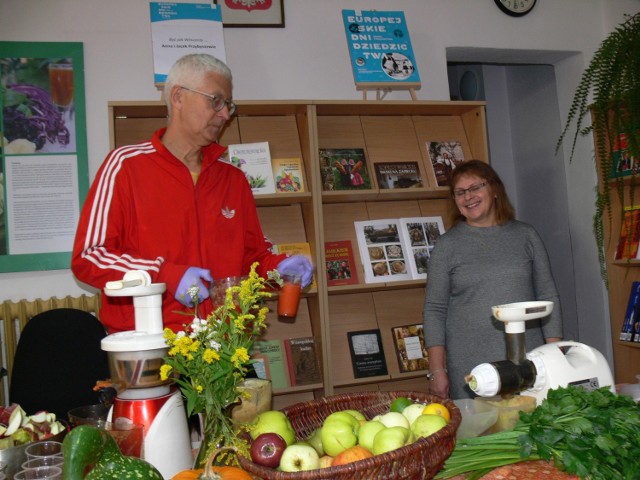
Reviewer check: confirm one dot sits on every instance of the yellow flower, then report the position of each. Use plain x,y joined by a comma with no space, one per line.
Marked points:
210,355
165,370
240,357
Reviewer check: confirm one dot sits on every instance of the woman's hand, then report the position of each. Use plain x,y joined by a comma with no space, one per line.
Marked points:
439,385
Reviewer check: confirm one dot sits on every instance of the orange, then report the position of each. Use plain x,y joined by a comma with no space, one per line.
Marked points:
437,409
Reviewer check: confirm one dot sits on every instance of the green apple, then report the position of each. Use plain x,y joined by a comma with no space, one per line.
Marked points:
413,411
426,425
315,440
298,458
339,432
356,414
390,439
368,432
393,419
273,421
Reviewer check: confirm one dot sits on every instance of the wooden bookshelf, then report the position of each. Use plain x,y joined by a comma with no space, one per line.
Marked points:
387,131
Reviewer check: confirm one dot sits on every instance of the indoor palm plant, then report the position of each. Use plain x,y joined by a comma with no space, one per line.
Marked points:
610,91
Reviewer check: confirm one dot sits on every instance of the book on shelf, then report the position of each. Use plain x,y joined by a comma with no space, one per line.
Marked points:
444,158
397,249
410,348
272,354
420,235
254,159
367,353
288,175
297,248
344,169
340,264
395,175
631,316
303,361
624,163
629,239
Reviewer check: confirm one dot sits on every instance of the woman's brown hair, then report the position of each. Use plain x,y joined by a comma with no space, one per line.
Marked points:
476,168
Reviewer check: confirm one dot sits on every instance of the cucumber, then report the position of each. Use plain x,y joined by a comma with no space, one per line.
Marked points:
86,445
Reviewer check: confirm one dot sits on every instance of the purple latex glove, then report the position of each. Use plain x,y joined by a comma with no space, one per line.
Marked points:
193,277
297,265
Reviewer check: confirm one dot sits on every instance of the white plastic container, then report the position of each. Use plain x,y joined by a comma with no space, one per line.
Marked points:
477,417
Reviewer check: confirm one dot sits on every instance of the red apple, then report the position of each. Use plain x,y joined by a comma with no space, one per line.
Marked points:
267,449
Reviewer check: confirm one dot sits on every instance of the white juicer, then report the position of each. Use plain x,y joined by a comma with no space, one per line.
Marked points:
135,358
551,365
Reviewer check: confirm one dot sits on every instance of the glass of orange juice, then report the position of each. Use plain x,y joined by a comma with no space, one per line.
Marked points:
289,296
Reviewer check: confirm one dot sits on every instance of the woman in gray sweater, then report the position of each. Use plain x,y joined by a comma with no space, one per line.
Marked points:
488,258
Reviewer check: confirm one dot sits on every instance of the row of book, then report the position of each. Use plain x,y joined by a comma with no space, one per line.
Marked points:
291,362
393,249
342,168
630,331
294,362
367,353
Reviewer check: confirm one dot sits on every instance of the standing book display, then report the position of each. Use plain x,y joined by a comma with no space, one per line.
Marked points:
381,54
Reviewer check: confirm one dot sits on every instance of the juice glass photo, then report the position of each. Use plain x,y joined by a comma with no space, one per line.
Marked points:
289,296
61,84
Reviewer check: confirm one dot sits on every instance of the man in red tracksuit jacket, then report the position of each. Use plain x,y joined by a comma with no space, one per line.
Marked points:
170,207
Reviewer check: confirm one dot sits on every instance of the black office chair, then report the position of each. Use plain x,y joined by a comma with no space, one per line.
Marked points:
58,361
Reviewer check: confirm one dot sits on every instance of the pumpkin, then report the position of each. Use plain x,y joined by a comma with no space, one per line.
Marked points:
212,472
217,473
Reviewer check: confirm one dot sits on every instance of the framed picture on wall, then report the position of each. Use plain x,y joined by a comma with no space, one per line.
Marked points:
248,13
43,153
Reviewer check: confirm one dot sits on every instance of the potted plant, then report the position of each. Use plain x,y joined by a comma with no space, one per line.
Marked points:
612,79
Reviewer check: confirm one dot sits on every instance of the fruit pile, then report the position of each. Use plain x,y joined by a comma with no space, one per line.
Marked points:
345,436
18,428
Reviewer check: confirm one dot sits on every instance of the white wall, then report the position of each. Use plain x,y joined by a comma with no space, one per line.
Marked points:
309,60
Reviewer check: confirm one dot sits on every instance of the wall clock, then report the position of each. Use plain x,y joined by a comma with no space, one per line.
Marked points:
516,8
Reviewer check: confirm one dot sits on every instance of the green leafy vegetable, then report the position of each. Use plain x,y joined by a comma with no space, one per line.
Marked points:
592,434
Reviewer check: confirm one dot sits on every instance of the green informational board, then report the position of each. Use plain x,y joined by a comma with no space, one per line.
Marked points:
43,152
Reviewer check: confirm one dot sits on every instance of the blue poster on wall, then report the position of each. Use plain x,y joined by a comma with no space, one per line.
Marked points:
380,48
178,29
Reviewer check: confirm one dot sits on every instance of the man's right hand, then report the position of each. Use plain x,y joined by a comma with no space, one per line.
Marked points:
191,286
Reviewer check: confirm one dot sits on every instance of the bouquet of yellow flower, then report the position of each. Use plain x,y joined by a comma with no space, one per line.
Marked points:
210,358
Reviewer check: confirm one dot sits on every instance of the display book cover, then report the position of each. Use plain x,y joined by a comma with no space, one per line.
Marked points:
629,239
303,361
624,164
410,348
367,353
270,362
396,175
630,331
297,248
344,169
254,159
380,47
288,175
340,264
444,157
397,249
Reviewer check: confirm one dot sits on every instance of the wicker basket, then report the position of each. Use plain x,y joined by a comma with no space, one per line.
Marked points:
418,461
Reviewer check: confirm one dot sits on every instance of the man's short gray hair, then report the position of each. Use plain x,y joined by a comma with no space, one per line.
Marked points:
189,69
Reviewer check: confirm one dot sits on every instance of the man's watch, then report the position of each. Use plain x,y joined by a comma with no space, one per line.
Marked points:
431,375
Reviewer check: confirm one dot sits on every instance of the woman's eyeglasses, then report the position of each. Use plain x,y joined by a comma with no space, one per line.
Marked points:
461,192
217,103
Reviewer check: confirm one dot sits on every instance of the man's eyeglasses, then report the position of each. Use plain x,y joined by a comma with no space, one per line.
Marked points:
217,103
461,192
